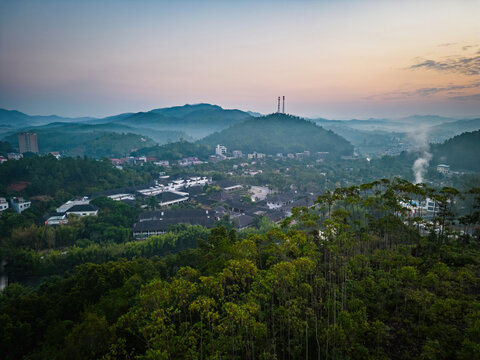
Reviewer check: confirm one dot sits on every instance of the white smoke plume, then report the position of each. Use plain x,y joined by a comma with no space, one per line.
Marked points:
420,166
421,146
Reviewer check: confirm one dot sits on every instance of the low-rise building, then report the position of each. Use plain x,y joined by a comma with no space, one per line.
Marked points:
165,163
259,192
14,156
228,185
276,202
170,198
20,204
243,222
431,205
65,207
120,197
220,150
57,220
3,204
83,210
159,222
443,168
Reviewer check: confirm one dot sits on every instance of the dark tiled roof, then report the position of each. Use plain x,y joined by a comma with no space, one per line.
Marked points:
194,190
219,209
226,184
123,190
173,214
220,196
82,208
244,221
275,216
282,198
169,196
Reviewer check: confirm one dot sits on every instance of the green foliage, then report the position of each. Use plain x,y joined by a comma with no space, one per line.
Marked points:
460,152
177,151
279,133
351,278
77,139
5,148
66,177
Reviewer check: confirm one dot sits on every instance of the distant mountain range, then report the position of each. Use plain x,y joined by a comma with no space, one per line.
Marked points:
194,122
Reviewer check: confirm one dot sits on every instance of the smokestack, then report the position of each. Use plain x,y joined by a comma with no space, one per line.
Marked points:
283,106
278,106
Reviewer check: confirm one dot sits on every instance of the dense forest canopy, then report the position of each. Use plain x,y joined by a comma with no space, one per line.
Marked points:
65,177
87,140
280,133
177,151
351,278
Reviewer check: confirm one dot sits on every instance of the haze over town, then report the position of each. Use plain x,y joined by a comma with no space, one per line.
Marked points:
333,59
255,179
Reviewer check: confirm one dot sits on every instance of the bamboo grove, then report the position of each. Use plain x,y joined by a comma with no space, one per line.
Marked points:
354,277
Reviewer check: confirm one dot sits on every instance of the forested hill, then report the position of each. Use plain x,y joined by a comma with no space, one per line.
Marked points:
177,150
460,152
89,140
280,133
197,120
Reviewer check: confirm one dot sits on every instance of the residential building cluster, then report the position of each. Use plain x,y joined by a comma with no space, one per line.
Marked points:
19,204
77,207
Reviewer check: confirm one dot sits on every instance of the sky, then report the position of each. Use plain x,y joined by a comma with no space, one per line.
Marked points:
334,59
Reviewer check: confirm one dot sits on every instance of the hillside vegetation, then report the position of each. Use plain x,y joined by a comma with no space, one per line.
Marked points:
460,152
351,279
177,150
280,133
195,120
87,140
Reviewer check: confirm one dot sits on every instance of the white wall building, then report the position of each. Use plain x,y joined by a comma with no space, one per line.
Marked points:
82,210
220,150
259,193
70,203
20,204
443,168
3,204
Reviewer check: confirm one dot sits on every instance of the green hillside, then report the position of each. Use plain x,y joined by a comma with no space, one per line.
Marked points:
460,152
455,128
76,142
177,150
196,120
280,133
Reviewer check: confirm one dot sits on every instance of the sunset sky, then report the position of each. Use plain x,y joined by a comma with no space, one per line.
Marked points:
334,59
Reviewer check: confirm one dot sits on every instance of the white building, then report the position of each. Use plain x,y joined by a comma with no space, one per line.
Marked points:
443,168
431,205
237,154
171,198
57,220
162,163
82,210
20,204
70,203
259,193
119,197
3,204
220,150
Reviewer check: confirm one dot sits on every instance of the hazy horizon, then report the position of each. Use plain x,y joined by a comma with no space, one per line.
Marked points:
337,60
245,110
